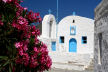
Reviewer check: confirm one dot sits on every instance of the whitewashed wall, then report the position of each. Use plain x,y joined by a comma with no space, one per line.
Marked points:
84,27
62,58
45,26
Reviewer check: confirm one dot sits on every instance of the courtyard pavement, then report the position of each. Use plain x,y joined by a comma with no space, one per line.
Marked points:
63,70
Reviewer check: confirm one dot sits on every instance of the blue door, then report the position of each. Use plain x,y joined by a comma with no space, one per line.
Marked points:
72,45
53,46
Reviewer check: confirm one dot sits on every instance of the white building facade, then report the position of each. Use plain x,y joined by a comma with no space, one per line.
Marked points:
70,42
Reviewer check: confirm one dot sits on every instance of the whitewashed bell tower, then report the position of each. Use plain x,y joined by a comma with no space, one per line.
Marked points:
49,26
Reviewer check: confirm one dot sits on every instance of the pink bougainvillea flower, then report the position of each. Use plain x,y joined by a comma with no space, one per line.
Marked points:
20,9
44,51
17,45
27,41
28,36
25,59
34,28
40,19
43,59
25,48
33,62
14,24
1,23
34,17
18,61
37,32
49,62
42,68
25,8
35,49
21,51
37,14
5,1
20,24
31,16
9,0
33,33
22,21
36,41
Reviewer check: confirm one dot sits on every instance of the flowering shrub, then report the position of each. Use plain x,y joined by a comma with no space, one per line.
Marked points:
20,49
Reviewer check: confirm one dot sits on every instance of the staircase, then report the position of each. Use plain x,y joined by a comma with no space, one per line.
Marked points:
68,66
73,61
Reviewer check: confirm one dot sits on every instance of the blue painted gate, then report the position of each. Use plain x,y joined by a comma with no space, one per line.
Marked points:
72,45
53,46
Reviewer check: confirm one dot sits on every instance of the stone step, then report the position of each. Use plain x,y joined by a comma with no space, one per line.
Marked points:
65,70
68,66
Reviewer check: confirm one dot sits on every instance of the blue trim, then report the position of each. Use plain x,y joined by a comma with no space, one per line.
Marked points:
74,28
72,45
60,40
82,41
53,46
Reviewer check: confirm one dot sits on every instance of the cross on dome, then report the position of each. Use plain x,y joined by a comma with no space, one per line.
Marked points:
49,11
74,13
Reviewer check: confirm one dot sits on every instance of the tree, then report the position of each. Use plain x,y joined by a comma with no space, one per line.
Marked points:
20,49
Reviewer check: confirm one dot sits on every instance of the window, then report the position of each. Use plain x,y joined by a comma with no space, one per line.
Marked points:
61,39
99,47
73,21
50,28
73,30
53,46
84,39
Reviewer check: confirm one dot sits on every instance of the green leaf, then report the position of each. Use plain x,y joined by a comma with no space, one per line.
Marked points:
1,68
4,57
24,13
10,70
3,18
4,65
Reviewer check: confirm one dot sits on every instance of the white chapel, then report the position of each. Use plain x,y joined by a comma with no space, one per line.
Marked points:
70,42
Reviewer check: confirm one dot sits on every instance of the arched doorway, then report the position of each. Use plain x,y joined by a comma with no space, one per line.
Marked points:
50,28
72,45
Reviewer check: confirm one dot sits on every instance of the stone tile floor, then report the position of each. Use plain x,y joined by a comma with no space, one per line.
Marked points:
62,70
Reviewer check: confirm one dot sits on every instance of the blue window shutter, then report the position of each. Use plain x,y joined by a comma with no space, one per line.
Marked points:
53,46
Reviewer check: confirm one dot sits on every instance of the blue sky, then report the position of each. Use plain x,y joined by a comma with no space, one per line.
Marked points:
83,8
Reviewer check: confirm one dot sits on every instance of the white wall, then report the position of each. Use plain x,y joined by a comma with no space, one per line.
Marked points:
84,27
46,25
61,57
